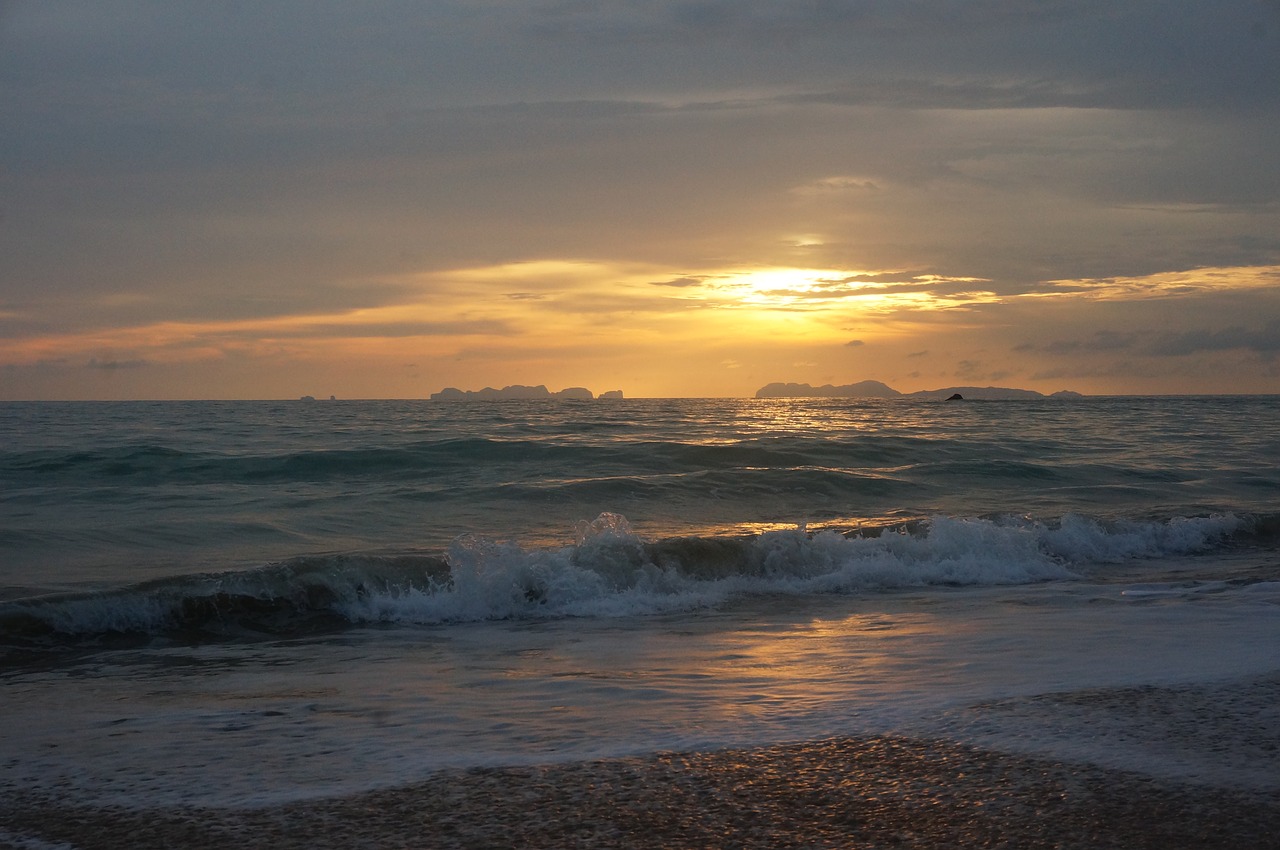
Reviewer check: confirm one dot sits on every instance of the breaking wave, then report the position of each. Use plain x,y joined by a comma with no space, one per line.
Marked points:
609,571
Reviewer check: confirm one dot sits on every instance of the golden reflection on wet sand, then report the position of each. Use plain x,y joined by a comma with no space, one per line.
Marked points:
863,793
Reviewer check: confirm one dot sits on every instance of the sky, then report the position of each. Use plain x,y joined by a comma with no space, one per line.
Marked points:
382,199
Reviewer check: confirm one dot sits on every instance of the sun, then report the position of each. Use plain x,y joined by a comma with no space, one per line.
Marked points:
785,286
781,287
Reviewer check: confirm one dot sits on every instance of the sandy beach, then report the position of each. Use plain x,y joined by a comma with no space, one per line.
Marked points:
847,792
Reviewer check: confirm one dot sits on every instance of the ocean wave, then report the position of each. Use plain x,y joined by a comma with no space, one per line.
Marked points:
486,458
152,464
609,571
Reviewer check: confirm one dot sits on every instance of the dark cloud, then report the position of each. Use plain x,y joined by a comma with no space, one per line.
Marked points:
968,368
809,19
47,363
1264,341
854,343
679,282
1135,54
384,329
1099,341
115,365
1125,370
918,93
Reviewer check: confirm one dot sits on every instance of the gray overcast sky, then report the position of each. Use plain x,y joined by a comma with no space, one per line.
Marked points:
671,198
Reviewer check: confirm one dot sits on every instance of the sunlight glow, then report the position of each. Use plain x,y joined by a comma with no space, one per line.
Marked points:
547,305
1164,284
592,322
867,291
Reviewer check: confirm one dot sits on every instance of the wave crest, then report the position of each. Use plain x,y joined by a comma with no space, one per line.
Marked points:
609,571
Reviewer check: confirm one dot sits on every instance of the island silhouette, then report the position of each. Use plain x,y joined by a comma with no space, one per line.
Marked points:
876,389
520,391
862,389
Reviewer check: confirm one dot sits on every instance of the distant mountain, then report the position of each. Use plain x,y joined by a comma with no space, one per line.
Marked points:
984,393
875,389
862,389
518,391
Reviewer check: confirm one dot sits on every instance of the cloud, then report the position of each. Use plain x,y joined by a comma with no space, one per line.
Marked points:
49,363
679,282
837,184
761,19
1099,341
182,181
854,343
352,330
1166,284
1117,369
976,93
114,365
1263,341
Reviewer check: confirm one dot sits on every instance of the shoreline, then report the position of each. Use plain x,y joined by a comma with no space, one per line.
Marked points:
865,792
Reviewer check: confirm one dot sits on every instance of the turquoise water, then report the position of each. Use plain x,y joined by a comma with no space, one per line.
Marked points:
103,494
238,602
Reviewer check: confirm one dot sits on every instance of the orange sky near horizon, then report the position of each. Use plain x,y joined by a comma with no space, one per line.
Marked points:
651,332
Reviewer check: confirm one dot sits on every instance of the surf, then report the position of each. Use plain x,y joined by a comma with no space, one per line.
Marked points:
609,571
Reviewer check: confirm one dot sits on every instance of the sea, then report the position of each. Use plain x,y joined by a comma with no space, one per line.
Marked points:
245,603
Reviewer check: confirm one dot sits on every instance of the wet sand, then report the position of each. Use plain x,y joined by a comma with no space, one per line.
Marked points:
847,793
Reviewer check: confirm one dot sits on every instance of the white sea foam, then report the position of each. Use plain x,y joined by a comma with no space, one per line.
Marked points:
237,724
1080,539
612,571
